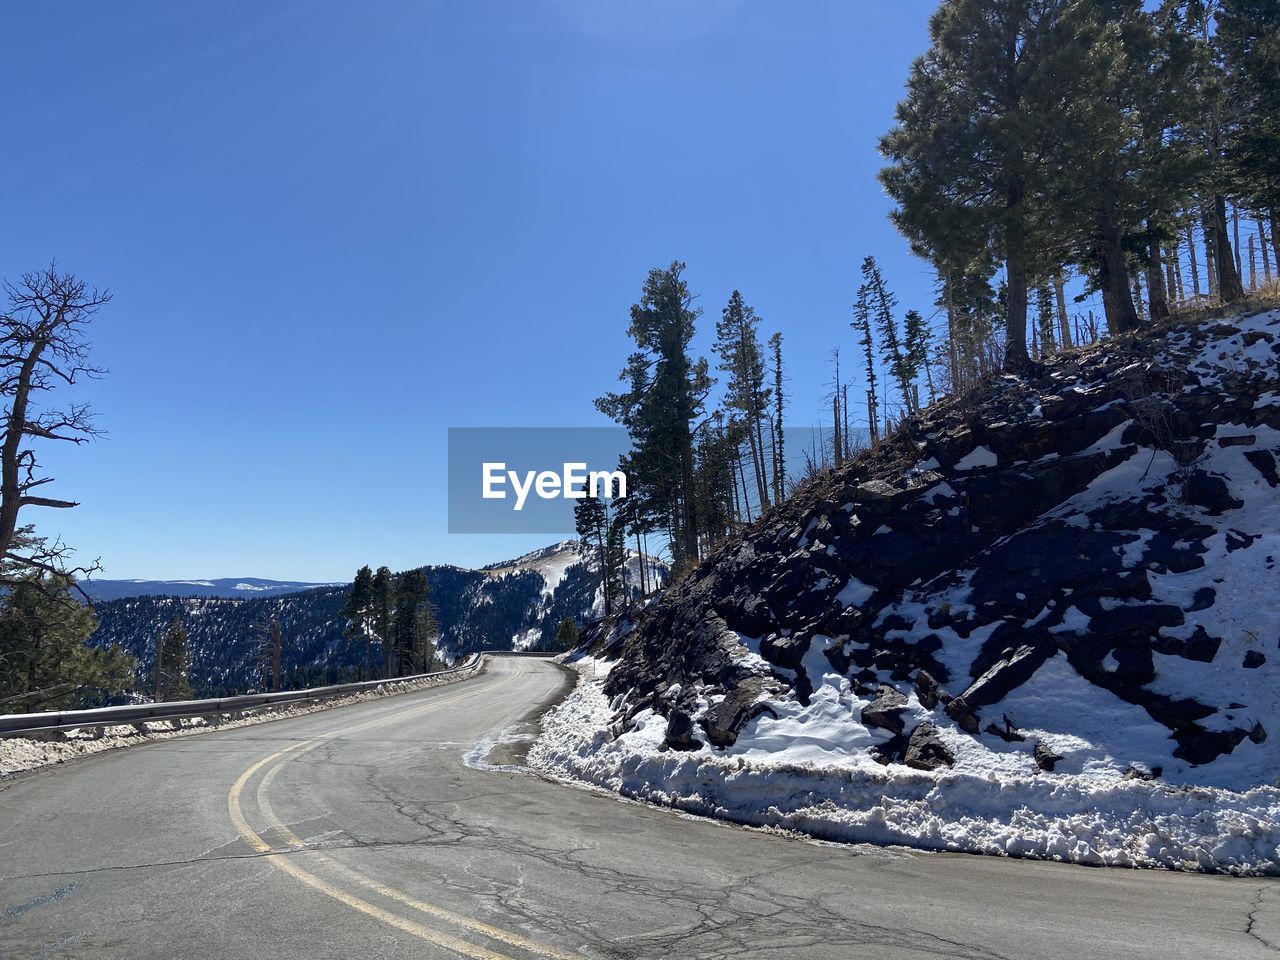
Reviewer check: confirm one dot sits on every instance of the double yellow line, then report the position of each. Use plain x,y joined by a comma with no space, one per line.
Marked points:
439,937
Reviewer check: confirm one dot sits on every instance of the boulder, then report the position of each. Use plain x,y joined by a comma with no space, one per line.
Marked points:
1210,493
929,692
680,732
1253,659
886,710
925,749
1046,759
741,703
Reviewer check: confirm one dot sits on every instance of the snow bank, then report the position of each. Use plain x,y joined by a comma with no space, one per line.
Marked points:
808,769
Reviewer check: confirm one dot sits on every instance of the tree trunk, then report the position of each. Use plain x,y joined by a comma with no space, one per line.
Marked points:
1195,267
1156,293
1229,287
1211,253
1015,343
1113,278
762,478
1235,239
1253,266
1266,257
1275,236
1064,323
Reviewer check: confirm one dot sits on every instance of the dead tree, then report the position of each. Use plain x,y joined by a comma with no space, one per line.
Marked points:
42,347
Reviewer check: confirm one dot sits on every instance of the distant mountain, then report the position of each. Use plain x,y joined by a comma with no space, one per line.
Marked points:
224,587
513,605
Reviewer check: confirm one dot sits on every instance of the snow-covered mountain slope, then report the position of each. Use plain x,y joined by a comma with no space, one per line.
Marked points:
1043,622
513,605
224,587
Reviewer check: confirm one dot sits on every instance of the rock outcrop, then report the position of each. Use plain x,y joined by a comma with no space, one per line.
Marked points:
1113,517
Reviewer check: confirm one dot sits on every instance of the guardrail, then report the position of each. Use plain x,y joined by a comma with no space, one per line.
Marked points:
136,713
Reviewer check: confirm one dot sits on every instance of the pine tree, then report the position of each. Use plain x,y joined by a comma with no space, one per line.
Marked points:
358,613
591,522
566,634
172,663
746,396
383,607
903,365
663,403
866,340
978,92
414,624
45,662
779,452
270,649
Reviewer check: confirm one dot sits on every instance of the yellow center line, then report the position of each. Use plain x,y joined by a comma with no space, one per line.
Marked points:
438,937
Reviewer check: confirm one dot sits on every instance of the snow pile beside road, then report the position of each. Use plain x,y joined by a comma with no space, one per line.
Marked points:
19,754
810,771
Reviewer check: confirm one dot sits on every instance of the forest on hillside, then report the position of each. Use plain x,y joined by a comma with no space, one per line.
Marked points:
1043,152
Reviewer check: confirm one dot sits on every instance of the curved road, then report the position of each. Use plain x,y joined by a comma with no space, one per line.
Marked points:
359,833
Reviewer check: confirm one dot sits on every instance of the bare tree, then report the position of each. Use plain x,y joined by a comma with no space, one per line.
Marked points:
42,347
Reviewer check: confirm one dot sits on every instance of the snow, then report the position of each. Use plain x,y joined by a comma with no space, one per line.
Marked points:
855,593
977,458
809,766
809,770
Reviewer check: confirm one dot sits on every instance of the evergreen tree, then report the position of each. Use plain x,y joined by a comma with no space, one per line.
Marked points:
414,624
903,365
779,452
1248,43
591,522
866,340
45,663
270,651
172,662
746,396
358,613
663,403
566,634
383,608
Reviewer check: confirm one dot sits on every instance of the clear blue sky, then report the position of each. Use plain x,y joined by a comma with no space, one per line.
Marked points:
334,230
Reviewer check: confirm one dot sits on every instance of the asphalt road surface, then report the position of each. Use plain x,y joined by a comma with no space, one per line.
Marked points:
359,833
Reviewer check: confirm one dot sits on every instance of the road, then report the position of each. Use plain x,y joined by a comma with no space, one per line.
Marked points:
359,832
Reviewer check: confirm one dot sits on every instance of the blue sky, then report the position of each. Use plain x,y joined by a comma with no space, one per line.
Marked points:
334,230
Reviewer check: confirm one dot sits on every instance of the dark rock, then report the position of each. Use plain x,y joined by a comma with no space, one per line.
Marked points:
1007,675
891,751
1210,493
1240,541
741,703
680,732
1239,440
1200,646
1253,659
925,749
1046,759
963,714
928,691
1203,599
886,710
1199,746
1264,462
1257,734
1142,773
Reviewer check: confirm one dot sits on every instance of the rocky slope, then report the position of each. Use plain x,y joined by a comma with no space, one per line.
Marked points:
512,605
1065,581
